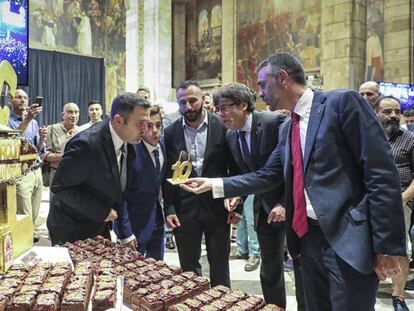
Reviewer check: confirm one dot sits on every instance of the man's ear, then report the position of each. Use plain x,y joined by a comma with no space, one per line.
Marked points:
283,77
62,114
118,120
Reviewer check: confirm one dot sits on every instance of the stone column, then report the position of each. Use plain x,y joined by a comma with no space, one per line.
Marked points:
131,47
396,41
228,41
343,43
179,21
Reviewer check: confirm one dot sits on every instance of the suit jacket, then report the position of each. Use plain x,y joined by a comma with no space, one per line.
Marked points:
218,161
142,201
263,140
86,185
350,177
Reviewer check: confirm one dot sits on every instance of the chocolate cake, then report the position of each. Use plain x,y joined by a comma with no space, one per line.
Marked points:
22,302
104,299
47,302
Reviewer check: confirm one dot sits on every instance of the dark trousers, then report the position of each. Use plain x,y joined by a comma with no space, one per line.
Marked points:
329,282
217,237
272,244
154,247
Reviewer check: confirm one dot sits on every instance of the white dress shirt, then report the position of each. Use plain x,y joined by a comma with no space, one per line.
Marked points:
303,108
118,142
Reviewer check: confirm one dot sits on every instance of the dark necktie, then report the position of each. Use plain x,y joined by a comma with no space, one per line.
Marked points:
123,168
245,150
156,153
300,222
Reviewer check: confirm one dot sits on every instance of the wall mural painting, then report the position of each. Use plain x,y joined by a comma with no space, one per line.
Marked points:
267,27
87,27
203,39
375,41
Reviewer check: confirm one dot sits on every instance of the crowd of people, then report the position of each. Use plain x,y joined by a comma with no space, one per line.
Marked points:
329,174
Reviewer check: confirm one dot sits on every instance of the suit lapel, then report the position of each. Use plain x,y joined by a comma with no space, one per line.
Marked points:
109,150
255,136
287,168
211,129
315,118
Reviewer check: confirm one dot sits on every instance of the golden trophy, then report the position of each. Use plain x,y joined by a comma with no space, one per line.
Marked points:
17,157
181,171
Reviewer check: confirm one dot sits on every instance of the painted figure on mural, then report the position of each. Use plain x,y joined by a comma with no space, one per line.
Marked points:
375,40
275,26
203,47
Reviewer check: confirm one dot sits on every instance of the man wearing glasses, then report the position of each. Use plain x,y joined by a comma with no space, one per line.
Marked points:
141,217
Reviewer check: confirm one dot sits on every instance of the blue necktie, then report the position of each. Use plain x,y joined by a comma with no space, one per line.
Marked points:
245,150
156,153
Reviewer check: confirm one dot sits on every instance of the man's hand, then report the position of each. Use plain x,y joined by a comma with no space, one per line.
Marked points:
233,218
172,221
197,185
278,213
43,133
133,244
33,111
386,266
232,203
111,216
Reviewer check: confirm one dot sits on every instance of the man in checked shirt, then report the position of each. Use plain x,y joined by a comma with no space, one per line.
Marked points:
402,145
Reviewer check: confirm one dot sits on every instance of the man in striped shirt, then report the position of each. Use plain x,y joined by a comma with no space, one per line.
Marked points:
402,144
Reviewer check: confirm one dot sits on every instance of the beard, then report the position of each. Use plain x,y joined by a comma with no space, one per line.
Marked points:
392,127
192,116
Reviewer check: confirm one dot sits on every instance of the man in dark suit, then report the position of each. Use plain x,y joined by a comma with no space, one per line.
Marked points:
141,216
202,136
343,200
252,136
92,176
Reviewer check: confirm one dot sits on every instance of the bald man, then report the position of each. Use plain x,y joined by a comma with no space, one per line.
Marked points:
59,134
370,91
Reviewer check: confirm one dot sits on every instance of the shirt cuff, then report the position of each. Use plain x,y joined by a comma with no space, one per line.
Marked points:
217,188
126,240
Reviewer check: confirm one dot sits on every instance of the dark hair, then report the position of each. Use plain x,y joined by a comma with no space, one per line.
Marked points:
287,62
381,99
125,103
93,102
408,113
187,83
155,109
238,93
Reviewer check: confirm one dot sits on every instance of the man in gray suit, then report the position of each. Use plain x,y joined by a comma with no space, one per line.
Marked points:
343,201
252,136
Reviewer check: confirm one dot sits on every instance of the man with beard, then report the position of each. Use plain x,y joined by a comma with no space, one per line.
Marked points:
344,216
202,136
402,145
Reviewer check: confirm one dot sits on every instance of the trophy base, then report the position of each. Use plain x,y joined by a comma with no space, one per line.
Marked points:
171,181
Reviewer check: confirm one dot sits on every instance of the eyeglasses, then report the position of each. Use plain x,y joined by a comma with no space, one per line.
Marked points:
223,108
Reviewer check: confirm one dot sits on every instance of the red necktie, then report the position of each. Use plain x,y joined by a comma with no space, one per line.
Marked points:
300,222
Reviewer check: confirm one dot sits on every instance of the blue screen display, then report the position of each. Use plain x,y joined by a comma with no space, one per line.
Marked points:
14,36
404,92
